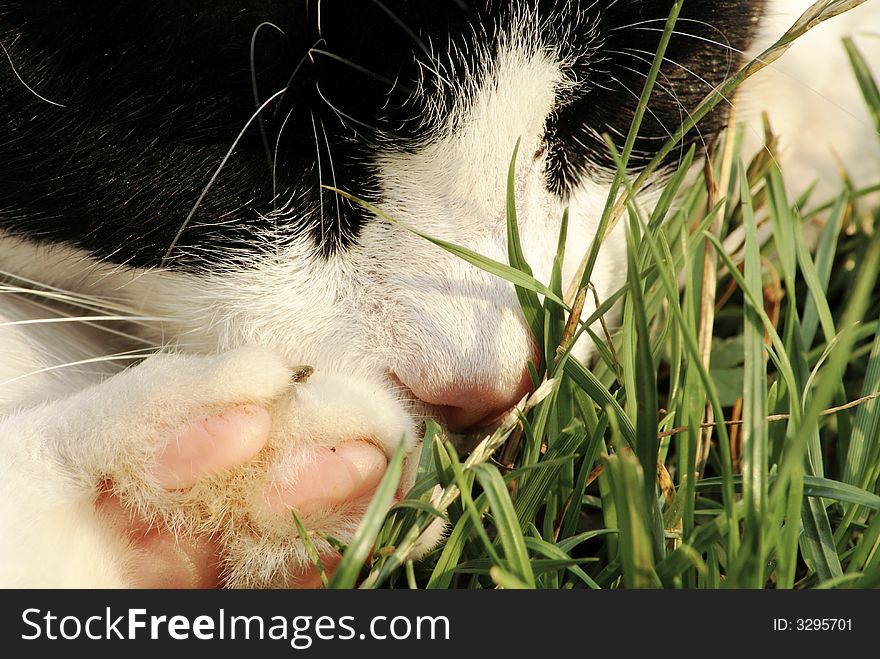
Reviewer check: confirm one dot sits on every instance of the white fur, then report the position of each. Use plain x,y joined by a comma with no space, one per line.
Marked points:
391,310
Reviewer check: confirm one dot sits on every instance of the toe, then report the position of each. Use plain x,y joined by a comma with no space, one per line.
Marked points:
347,473
212,445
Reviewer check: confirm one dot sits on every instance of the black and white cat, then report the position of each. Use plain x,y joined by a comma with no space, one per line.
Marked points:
161,172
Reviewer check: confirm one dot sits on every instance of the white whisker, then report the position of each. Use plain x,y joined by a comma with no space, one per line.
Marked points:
335,182
217,174
76,319
320,178
27,86
132,355
254,85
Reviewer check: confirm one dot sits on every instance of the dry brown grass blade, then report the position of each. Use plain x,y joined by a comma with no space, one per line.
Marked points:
774,418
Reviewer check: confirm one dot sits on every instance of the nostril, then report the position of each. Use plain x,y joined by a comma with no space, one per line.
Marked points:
462,407
461,419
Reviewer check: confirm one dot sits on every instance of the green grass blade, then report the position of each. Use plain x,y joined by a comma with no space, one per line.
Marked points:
817,541
528,299
565,561
507,580
587,381
352,562
865,80
621,174
453,549
823,488
867,545
535,486
506,523
863,451
647,406
636,551
755,437
817,289
864,445
310,548
506,272
824,261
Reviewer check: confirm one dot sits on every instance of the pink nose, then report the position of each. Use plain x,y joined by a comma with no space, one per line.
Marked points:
470,407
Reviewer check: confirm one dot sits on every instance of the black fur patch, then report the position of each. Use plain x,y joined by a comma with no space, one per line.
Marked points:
705,49
154,96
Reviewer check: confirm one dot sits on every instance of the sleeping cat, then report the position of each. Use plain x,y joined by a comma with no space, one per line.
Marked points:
174,257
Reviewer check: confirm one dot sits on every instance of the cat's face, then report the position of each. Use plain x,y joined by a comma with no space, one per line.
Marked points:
188,143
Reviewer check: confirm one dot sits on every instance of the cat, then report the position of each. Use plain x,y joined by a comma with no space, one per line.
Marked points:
181,271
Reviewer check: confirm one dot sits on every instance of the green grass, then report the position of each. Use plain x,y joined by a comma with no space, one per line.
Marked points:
729,436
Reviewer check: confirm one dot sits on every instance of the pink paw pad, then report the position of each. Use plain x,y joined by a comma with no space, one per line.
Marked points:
347,473
213,444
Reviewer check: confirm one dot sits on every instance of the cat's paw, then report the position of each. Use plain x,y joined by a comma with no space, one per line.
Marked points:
252,441
342,427
142,436
179,449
